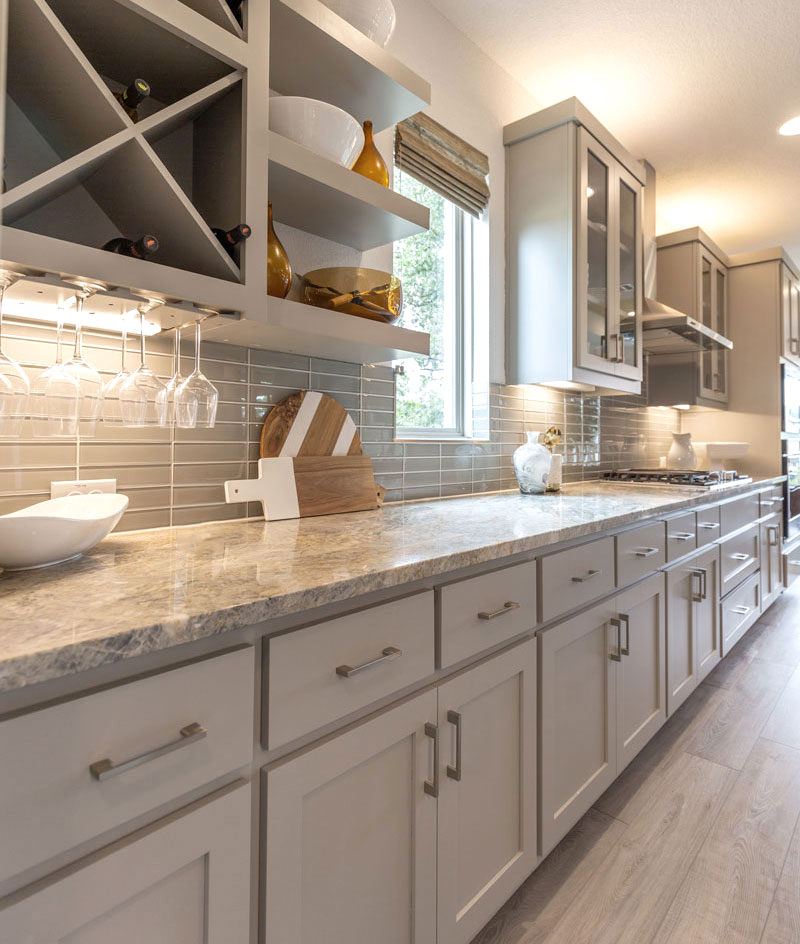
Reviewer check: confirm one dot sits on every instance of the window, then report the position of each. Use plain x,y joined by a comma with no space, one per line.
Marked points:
436,272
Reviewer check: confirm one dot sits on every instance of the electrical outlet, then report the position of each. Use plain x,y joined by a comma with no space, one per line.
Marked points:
83,487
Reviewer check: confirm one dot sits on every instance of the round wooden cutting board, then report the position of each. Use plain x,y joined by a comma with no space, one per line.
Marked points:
309,424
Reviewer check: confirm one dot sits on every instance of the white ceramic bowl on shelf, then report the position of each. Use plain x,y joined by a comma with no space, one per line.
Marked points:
374,18
325,129
57,530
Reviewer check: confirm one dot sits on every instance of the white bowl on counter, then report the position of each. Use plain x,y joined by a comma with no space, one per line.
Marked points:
58,530
322,128
376,19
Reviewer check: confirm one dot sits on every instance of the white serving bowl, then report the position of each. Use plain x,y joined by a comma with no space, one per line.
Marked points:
58,530
325,129
374,18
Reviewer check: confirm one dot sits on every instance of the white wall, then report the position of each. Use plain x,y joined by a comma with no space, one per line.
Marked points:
473,97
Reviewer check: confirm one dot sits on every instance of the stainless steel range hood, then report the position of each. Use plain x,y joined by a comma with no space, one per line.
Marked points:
666,330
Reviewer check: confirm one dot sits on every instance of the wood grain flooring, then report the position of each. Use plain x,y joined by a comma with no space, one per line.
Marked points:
699,839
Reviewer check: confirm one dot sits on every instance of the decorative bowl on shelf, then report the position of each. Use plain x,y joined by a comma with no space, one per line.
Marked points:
322,128
54,531
368,293
374,18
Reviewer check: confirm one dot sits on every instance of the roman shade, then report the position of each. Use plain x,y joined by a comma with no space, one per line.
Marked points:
443,161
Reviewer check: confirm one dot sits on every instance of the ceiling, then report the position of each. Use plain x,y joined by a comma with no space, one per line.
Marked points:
698,89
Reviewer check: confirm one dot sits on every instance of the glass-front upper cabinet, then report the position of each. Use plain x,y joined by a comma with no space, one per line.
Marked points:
609,303
713,295
790,305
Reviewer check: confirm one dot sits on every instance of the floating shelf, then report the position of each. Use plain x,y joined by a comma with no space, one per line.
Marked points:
296,328
315,53
318,196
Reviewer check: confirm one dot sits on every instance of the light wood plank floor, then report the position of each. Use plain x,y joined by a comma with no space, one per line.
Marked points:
699,839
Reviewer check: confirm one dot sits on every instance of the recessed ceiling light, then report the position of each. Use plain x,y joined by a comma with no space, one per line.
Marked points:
792,126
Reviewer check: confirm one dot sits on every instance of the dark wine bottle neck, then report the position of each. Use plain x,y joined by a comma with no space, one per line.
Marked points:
135,93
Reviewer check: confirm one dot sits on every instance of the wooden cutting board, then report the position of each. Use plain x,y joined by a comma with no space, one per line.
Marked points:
304,486
309,424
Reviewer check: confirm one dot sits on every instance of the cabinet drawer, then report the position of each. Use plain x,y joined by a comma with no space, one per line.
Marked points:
576,576
681,535
482,611
740,557
708,525
771,501
326,671
51,801
738,513
640,552
740,610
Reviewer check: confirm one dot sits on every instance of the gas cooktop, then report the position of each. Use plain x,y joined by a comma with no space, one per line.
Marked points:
702,478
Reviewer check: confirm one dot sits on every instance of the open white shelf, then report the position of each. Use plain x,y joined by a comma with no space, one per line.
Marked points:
314,194
295,328
315,53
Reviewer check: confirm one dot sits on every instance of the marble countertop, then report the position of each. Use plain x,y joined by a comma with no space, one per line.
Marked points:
139,592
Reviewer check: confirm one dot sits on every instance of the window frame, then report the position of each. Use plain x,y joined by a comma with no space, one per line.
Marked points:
463,329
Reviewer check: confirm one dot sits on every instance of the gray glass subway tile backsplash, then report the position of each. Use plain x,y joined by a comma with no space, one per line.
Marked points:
176,477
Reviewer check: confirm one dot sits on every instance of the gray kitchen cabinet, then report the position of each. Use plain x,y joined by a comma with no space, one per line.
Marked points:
571,184
487,798
602,697
693,277
771,560
693,644
790,315
187,880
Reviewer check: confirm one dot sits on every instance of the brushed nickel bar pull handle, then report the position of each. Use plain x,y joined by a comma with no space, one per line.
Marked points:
505,608
647,551
771,501
702,593
348,671
617,656
741,610
592,573
794,344
624,618
682,536
432,786
708,525
741,556
773,530
106,769
620,349
454,718
795,563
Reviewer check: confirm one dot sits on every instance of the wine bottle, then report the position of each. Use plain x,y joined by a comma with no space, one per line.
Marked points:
132,96
236,8
232,237
138,249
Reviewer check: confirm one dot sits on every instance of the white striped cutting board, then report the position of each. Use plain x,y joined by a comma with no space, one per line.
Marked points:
309,424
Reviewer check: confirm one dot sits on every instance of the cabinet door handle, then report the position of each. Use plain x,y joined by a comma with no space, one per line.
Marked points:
617,656
505,608
620,349
589,575
794,345
740,610
647,551
454,718
702,593
708,525
626,649
682,536
432,786
348,671
105,769
741,556
773,530
795,563
770,501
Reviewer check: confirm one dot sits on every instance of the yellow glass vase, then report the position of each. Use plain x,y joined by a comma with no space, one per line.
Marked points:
279,270
370,163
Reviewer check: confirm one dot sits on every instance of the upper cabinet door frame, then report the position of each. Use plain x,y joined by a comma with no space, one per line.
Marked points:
633,371
583,357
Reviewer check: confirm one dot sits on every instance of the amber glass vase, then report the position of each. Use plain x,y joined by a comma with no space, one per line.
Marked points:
279,271
370,163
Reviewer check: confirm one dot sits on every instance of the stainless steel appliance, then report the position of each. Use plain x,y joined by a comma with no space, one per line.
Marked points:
790,443
696,478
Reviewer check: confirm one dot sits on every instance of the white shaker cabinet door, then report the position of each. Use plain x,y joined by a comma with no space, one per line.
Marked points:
487,800
641,672
683,588
577,720
184,881
351,835
707,622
